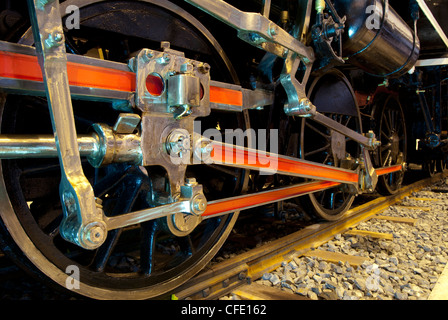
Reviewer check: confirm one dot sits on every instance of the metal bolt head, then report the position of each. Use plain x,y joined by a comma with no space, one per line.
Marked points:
273,30
146,55
190,181
198,204
58,36
186,68
54,39
165,59
94,234
204,68
178,143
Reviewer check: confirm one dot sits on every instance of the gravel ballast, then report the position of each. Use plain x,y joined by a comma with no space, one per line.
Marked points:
404,268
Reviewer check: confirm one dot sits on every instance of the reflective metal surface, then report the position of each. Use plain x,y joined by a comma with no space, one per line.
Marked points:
76,193
376,38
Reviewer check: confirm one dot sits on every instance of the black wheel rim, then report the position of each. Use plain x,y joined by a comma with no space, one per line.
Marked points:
158,261
333,96
393,137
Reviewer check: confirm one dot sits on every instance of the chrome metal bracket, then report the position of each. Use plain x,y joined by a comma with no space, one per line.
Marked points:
259,31
171,91
82,222
368,178
169,83
298,102
256,28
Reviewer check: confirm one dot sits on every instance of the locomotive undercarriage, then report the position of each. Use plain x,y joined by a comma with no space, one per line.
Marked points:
152,152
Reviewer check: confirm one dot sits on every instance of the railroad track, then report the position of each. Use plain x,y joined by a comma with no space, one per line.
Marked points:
231,275
238,275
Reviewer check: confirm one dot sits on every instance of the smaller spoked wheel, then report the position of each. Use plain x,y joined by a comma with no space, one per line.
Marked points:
333,96
391,131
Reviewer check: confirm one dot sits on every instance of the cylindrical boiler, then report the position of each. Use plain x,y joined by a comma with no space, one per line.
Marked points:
376,38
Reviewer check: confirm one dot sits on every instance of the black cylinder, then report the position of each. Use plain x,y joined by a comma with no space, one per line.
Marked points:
376,38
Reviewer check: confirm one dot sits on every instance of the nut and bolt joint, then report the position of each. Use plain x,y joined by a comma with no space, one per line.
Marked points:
54,39
198,204
373,142
303,109
93,235
178,143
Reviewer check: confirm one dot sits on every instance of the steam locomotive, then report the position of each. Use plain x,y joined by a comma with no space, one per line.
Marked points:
133,133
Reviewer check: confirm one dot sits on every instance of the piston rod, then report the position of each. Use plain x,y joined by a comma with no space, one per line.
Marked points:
41,146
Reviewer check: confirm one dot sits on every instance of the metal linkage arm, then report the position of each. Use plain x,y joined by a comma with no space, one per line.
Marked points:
256,28
192,202
82,223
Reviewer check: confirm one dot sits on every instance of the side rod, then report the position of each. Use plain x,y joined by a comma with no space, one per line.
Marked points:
15,147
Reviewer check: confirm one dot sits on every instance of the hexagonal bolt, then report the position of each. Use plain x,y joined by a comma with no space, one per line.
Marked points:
178,142
54,39
186,67
191,182
165,59
146,55
204,68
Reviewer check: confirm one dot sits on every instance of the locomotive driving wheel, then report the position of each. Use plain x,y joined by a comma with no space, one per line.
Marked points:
391,130
138,262
333,96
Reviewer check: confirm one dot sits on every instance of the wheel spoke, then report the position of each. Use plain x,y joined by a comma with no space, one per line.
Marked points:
129,191
326,136
150,230
317,151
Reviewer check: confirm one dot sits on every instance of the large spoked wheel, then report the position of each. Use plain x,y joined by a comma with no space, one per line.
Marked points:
332,94
138,262
391,131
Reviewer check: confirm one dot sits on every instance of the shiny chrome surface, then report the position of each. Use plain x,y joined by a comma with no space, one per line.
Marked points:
40,146
255,28
77,196
377,39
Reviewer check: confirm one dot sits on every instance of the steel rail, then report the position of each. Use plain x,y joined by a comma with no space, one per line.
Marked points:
220,279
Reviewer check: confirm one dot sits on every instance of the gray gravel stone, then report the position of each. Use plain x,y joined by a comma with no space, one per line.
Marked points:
405,268
274,279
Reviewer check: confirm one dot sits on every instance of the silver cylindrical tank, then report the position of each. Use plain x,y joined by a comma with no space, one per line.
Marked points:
376,38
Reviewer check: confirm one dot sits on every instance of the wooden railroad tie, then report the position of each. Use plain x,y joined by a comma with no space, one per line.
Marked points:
410,221
335,257
424,199
414,208
375,235
257,291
